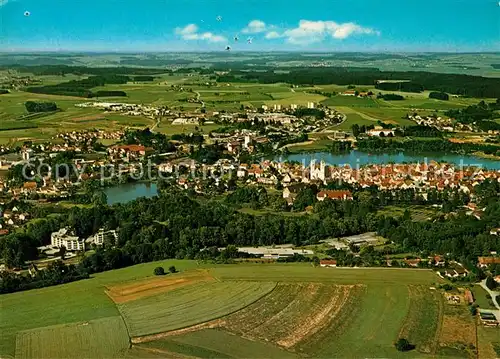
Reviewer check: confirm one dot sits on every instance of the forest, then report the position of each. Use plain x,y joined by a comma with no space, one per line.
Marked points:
80,88
427,146
32,106
443,96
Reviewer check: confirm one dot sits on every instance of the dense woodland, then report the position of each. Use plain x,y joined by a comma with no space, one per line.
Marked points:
423,146
80,88
32,106
390,97
443,96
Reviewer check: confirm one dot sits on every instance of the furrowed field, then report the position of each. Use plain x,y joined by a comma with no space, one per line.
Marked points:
239,310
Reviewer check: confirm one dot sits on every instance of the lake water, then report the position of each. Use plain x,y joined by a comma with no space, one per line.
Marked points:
356,158
128,192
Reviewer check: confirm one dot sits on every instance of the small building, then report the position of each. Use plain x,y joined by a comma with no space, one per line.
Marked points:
484,262
334,195
413,262
328,263
488,319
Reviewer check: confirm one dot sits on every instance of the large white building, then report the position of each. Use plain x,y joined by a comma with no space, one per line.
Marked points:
63,238
102,235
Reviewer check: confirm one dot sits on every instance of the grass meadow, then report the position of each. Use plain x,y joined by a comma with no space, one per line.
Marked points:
100,338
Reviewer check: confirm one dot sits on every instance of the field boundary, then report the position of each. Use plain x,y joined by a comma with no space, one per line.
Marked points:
211,324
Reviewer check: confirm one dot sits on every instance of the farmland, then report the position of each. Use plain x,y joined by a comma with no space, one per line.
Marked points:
250,310
100,338
17,126
190,305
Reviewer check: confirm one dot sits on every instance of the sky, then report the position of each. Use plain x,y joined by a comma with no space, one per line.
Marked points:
259,25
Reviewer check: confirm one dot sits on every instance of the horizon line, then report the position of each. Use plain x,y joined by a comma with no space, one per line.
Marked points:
3,52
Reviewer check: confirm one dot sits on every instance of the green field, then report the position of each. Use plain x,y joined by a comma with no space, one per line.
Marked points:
16,126
190,305
73,302
262,310
100,338
481,298
306,273
217,343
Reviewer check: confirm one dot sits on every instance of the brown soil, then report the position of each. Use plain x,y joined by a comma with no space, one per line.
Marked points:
132,291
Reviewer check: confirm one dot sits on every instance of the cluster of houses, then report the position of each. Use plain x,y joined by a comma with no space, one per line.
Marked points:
128,108
88,136
12,218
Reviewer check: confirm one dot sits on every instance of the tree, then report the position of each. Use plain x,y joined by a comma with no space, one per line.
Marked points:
403,345
159,271
315,261
62,252
490,283
355,130
172,269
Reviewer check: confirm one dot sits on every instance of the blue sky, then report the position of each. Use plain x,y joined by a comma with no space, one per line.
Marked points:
277,25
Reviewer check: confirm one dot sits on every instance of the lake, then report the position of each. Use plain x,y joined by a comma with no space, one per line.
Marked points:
357,158
129,191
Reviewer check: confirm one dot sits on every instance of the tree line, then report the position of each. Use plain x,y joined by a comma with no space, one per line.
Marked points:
80,88
414,145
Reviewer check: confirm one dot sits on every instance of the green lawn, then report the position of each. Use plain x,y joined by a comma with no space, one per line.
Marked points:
481,299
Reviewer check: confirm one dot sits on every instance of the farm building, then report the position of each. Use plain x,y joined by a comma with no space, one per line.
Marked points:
361,239
484,262
334,195
488,319
328,263
274,253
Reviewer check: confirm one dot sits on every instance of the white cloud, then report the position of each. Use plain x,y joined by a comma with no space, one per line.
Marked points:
254,27
273,35
186,30
190,32
314,31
